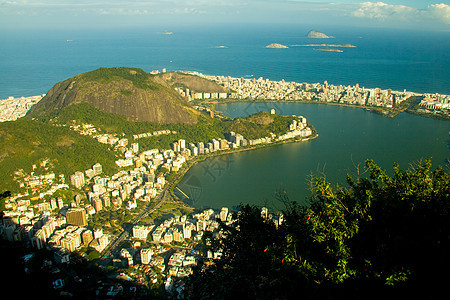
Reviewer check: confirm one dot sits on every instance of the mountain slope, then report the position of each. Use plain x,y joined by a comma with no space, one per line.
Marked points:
129,92
192,82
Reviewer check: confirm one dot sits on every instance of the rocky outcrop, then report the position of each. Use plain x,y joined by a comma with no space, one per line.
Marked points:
314,34
277,46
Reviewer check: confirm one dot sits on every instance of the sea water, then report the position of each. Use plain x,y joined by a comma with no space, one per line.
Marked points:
33,61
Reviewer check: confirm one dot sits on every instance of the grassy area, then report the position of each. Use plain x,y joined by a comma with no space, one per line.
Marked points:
138,77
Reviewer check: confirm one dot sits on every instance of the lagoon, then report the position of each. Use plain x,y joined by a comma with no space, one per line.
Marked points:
347,137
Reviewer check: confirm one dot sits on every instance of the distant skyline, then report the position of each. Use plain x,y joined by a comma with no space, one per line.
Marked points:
70,14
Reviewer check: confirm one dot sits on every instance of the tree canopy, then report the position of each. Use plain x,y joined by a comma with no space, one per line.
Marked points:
381,232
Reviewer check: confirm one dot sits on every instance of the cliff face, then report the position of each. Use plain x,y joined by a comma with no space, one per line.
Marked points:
125,91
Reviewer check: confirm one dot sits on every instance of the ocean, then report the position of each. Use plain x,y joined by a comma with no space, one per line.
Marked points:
31,62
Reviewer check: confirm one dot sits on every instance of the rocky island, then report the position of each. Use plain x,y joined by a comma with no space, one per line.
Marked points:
277,46
314,34
328,49
343,45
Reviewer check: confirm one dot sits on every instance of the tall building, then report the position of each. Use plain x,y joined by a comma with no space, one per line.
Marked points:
178,235
68,244
76,216
141,232
223,214
146,256
201,225
48,228
103,241
216,144
98,233
97,204
264,212
60,202
106,200
97,168
210,147
135,148
77,199
77,179
175,147
126,254
89,173
53,204
182,144
87,237
201,148
38,240
186,232
75,237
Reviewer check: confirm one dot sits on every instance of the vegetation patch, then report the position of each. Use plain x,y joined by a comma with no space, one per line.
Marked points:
138,77
126,92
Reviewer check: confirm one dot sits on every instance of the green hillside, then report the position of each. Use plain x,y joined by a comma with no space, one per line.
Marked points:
258,125
26,142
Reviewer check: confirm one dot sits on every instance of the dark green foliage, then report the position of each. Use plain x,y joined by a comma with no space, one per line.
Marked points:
126,92
258,125
382,233
280,124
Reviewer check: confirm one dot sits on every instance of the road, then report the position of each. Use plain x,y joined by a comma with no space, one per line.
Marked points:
112,248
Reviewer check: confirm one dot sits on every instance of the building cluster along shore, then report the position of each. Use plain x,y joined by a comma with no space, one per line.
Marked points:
267,90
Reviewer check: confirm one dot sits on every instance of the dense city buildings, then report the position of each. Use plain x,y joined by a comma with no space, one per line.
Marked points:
13,108
267,90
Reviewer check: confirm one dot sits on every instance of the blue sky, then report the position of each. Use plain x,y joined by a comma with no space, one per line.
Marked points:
421,14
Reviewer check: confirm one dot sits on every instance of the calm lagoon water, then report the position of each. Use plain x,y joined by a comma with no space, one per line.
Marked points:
347,137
